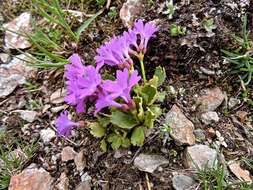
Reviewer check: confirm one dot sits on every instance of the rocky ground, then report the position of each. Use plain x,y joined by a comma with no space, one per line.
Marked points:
205,107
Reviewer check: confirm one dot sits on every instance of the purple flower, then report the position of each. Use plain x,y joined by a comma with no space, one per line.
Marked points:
75,69
64,125
106,100
123,84
146,31
82,83
114,53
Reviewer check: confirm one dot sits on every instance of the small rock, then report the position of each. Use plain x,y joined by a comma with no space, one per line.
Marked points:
68,154
201,156
242,115
182,182
85,177
149,163
220,140
21,24
58,96
210,132
209,117
120,153
58,108
199,134
30,179
4,58
13,74
233,102
210,99
182,128
130,10
47,135
207,71
27,115
80,161
63,183
84,186
239,172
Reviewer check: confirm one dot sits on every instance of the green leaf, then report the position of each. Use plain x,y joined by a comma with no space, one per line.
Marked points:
156,110
154,81
149,93
123,120
161,75
103,145
140,112
149,118
115,140
125,142
86,24
161,96
138,136
104,121
97,130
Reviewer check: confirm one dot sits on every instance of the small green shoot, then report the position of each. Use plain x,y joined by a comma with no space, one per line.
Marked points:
113,13
212,178
100,2
170,9
241,58
209,25
176,30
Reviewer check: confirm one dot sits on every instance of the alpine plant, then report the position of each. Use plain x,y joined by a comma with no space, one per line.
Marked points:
125,106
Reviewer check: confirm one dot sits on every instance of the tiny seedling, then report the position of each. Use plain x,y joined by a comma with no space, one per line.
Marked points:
170,9
208,24
112,13
176,30
100,2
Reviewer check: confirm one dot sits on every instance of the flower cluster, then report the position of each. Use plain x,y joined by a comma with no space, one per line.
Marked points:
85,83
118,51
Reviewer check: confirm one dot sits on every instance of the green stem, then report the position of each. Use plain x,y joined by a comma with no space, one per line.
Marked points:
143,71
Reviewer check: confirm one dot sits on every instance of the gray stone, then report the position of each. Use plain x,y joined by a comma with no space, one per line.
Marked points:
80,161
4,57
14,73
182,182
201,156
47,135
210,99
68,154
149,163
63,182
130,10
20,25
85,177
58,108
182,128
240,173
209,117
27,115
199,134
207,71
31,178
58,96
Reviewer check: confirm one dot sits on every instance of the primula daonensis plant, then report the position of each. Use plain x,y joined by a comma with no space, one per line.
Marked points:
124,107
